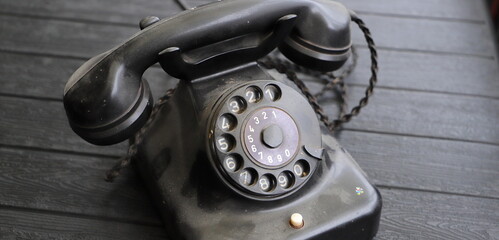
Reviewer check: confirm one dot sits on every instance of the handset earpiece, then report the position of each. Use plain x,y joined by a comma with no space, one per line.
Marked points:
321,40
106,102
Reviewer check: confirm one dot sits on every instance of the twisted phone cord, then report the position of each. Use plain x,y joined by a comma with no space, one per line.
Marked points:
374,72
285,68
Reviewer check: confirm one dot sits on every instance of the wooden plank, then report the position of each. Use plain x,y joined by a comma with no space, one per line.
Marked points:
414,113
58,37
442,9
41,225
430,72
405,215
464,118
72,184
46,76
43,124
426,164
76,39
112,11
428,35
132,11
422,215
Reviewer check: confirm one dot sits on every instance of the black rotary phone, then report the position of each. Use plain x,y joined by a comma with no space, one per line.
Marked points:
234,153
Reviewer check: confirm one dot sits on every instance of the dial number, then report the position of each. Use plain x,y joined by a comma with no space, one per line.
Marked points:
272,92
257,121
227,122
237,105
285,180
264,114
233,162
253,148
266,183
225,143
247,177
298,169
301,168
230,163
253,94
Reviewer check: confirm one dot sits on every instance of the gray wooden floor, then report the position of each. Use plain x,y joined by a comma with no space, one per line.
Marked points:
429,138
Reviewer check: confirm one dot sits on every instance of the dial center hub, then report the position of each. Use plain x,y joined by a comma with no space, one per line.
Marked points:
272,136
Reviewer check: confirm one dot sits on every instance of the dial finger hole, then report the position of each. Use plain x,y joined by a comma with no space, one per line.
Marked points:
267,183
301,168
248,176
253,94
285,179
227,122
233,162
272,92
237,105
225,143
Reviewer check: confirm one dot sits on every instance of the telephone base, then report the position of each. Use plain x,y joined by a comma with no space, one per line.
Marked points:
337,203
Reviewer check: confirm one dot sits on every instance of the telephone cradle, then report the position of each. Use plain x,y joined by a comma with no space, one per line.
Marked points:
234,153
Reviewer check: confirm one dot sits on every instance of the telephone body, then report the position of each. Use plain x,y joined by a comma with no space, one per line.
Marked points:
234,152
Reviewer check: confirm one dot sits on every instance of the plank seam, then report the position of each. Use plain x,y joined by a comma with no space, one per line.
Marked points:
69,152
426,91
42,54
412,50
432,52
420,136
389,187
80,215
409,16
48,99
68,19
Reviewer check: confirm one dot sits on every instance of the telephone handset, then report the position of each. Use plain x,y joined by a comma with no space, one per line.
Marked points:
234,152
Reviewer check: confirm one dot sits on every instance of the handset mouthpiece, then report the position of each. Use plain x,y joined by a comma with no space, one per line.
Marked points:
105,102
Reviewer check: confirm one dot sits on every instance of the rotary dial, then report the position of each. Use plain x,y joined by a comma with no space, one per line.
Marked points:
261,138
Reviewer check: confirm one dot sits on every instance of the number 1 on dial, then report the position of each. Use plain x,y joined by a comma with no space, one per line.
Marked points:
268,92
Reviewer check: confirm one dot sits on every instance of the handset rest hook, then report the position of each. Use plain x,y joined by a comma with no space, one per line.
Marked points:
233,52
